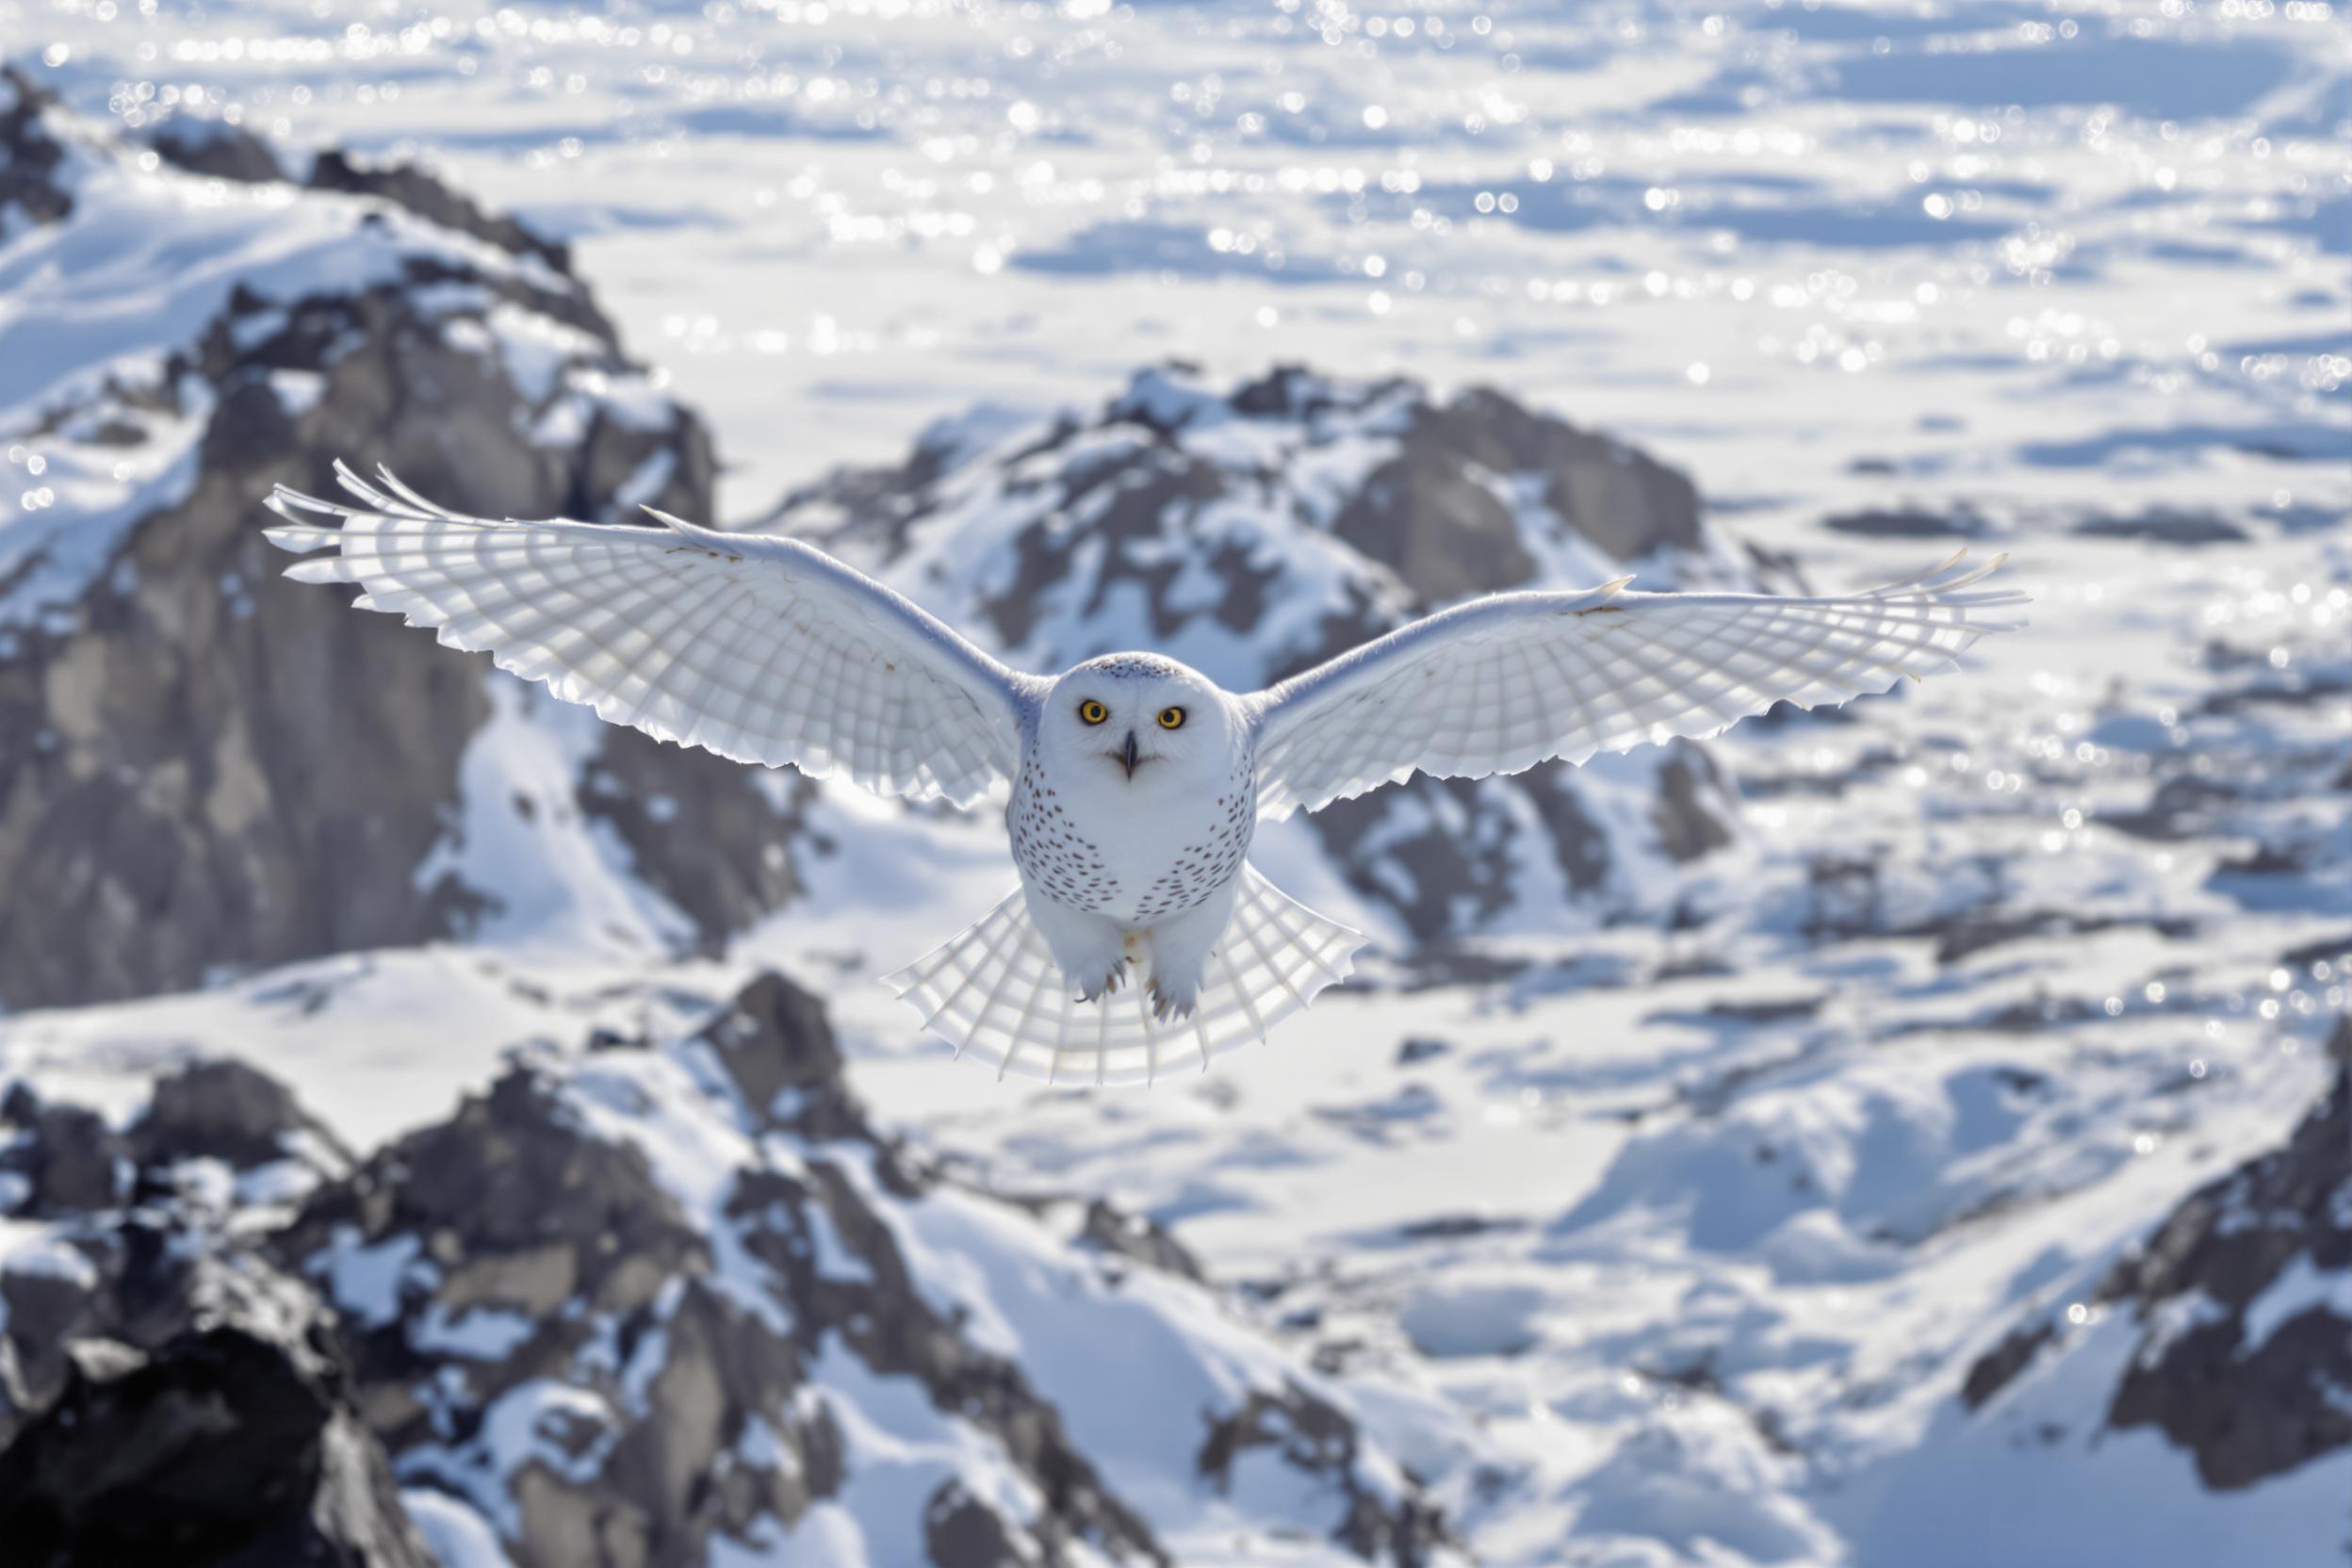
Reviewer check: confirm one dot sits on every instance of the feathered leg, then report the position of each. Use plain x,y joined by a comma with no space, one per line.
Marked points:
1090,949
1181,945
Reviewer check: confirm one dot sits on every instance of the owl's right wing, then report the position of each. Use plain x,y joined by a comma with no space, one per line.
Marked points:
759,648
1505,682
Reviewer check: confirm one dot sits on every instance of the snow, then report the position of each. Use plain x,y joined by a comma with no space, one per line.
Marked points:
38,1253
2033,1484
2303,1286
1679,1251
558,881
1460,1317
94,309
484,1333
899,1450
363,1283
456,1535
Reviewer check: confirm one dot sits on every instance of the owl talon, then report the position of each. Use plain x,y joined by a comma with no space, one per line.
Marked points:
1102,987
1167,1005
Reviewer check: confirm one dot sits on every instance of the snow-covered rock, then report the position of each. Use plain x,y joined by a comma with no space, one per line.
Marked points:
2241,1307
165,1393
679,1304
1255,530
656,1302
30,192
204,768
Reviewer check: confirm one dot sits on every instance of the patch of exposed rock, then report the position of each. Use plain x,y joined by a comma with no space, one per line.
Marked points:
2166,526
2245,1293
166,1395
432,198
1312,1435
31,191
1907,522
2241,1304
214,148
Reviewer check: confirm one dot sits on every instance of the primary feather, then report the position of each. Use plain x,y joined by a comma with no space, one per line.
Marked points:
759,648
1502,683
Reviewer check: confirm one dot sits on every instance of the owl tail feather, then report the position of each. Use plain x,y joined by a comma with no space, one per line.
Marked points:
994,992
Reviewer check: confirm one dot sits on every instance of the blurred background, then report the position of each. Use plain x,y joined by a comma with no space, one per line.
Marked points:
434,1126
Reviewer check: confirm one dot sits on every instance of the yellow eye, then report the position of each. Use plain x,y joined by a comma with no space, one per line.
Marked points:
1093,711
1171,718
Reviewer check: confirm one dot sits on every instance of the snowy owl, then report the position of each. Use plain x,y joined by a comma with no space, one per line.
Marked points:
1139,937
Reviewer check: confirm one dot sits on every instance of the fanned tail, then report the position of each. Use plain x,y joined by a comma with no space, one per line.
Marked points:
994,992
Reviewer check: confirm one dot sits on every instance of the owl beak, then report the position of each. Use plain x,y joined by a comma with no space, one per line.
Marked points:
1127,758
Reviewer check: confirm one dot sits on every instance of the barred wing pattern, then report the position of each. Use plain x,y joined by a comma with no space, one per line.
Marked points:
759,648
1503,683
994,992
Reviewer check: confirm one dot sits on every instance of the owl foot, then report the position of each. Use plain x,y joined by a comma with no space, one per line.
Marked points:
1168,1003
1105,986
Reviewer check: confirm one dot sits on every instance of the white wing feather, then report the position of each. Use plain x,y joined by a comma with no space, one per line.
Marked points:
759,648
994,992
1503,683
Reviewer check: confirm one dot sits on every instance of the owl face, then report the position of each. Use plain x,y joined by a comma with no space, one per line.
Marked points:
1138,720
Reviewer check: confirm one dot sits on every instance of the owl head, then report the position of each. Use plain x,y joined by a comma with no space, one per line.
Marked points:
1139,721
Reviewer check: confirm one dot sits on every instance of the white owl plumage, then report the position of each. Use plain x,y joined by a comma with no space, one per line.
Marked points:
1134,782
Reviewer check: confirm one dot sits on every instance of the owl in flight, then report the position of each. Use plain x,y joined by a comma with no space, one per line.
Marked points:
1140,937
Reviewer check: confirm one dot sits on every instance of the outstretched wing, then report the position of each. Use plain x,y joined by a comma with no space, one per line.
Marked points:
1503,683
759,648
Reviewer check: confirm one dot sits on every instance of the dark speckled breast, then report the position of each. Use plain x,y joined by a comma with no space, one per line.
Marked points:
1064,858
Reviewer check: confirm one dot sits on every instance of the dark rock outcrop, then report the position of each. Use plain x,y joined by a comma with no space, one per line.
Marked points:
2253,1388
2241,1304
228,1111
1137,1238
64,1158
696,1423
627,1307
214,148
712,838
207,767
614,1305
166,1396
406,186
225,1445
1431,513
29,156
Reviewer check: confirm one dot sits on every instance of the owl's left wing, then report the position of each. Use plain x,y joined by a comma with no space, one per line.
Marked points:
1505,682
759,648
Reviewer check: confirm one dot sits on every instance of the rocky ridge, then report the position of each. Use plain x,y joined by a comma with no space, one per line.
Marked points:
647,1304
166,1393
210,768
